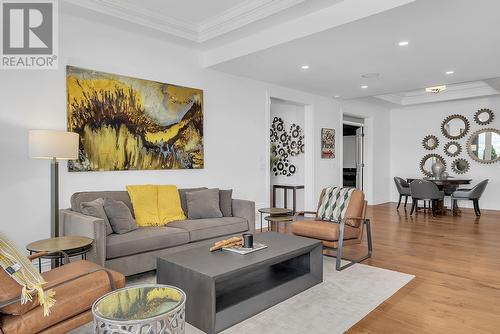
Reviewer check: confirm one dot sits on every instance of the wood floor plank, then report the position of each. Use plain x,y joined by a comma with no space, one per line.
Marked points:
457,267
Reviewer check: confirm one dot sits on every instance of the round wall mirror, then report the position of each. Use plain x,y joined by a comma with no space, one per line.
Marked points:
484,116
460,166
455,126
452,149
484,146
430,142
427,162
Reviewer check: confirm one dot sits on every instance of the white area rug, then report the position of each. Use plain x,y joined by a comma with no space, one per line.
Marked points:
344,298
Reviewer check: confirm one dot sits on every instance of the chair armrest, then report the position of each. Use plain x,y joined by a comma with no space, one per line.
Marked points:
75,223
108,272
245,209
349,221
303,213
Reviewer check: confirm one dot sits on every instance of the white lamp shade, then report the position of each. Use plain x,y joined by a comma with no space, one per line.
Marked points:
48,144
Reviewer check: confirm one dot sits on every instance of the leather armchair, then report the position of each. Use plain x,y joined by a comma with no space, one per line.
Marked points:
336,235
77,285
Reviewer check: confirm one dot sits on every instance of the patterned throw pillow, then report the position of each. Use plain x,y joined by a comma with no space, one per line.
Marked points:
334,203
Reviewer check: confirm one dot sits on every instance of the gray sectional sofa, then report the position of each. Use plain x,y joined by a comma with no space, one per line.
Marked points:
136,251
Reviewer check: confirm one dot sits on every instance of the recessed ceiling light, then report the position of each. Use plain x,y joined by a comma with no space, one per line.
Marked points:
336,96
305,67
370,75
364,86
450,72
436,89
403,43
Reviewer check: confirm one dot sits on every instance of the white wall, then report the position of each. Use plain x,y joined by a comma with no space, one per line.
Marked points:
409,125
377,145
236,125
291,114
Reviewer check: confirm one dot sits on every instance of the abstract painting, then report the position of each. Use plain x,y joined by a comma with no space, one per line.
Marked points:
327,143
126,123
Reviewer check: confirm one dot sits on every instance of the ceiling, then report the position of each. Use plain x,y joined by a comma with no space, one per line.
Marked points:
197,21
458,35
340,40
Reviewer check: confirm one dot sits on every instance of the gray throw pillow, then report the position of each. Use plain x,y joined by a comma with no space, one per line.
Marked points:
95,209
225,202
182,195
119,216
203,204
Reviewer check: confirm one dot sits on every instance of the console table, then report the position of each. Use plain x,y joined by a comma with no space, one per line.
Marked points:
286,187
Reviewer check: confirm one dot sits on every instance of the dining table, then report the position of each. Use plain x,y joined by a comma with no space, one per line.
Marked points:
448,185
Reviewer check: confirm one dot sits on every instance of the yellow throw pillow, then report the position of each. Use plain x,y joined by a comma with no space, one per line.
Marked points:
145,202
169,204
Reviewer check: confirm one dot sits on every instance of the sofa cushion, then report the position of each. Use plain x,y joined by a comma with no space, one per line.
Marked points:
169,204
144,239
201,229
182,195
226,202
72,298
119,216
87,196
95,209
145,202
203,204
323,230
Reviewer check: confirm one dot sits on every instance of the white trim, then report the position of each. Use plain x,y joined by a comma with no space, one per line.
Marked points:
231,19
310,137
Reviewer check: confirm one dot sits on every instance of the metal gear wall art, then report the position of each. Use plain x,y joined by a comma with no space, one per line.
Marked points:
284,145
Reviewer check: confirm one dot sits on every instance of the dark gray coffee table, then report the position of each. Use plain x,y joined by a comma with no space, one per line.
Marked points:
225,288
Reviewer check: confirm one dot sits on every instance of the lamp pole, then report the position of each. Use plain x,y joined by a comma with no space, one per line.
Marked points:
54,197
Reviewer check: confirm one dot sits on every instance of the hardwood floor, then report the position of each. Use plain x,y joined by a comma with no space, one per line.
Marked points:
456,261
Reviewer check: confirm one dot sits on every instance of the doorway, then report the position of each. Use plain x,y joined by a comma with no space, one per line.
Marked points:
353,154
287,155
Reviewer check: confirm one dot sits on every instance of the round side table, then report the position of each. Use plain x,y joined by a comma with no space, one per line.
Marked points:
68,245
273,212
148,308
277,220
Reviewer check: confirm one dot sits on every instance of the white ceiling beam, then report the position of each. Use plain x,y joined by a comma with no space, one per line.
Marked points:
336,15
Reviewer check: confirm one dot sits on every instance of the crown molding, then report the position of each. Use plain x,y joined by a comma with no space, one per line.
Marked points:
231,19
132,13
243,14
453,92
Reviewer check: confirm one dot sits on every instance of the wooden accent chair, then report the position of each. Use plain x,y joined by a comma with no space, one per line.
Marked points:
77,285
336,235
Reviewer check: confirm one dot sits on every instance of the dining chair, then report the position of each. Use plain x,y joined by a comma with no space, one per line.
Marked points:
403,188
422,190
473,195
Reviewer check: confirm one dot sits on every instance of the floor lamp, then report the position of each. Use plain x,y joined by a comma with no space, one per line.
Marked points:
53,145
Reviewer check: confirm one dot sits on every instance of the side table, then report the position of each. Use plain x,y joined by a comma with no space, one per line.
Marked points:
276,220
286,187
60,247
155,308
273,212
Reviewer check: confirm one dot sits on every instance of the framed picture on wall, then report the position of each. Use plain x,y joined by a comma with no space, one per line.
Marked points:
327,143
